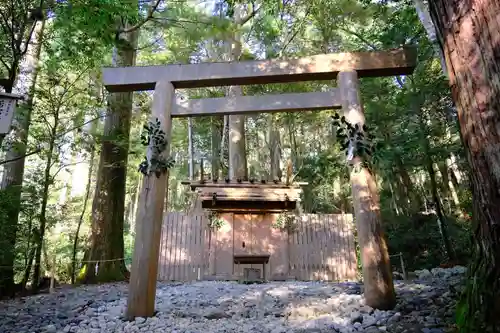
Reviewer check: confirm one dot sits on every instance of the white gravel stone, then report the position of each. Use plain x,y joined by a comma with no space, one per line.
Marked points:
209,306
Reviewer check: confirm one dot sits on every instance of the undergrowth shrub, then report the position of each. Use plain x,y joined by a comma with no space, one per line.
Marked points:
419,239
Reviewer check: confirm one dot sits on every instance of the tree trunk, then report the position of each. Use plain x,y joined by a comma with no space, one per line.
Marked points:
82,214
224,143
216,146
27,269
133,210
274,147
429,166
47,180
470,36
292,138
190,148
425,19
448,186
237,145
13,172
441,219
393,199
108,207
411,194
32,244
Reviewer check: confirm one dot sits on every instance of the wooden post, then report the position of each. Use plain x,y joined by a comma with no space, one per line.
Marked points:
377,276
143,275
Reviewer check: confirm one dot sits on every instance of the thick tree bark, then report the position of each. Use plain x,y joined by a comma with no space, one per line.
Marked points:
108,207
13,173
470,36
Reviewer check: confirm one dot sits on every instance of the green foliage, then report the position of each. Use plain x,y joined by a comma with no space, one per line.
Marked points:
286,221
355,140
215,221
418,238
156,163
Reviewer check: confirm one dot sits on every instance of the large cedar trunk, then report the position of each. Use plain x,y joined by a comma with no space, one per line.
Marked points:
470,37
237,144
108,207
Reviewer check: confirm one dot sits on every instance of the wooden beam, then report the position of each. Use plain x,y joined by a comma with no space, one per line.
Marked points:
250,194
251,207
244,184
254,104
313,68
377,275
143,275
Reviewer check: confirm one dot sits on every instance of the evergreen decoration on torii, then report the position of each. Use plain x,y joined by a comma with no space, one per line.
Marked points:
355,140
155,161
215,222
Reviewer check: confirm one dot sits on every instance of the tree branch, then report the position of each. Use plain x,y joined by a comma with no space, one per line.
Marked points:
296,32
247,18
361,38
5,65
6,26
36,151
151,11
64,166
28,39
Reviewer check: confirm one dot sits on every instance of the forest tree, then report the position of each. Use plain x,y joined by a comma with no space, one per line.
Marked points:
470,37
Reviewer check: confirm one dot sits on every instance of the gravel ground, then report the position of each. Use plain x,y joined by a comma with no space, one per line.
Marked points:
425,305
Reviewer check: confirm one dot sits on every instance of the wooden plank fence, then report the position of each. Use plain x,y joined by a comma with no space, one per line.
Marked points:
321,248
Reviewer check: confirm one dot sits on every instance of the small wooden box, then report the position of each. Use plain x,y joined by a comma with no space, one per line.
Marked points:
251,274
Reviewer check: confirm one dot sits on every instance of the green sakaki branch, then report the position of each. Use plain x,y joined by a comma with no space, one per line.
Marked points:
155,161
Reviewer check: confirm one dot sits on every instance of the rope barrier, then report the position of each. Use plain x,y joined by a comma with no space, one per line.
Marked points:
78,261
401,263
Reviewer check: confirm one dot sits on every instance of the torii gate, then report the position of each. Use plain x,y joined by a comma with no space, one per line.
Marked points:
345,67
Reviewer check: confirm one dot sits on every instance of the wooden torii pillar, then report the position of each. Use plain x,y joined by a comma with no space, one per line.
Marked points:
344,67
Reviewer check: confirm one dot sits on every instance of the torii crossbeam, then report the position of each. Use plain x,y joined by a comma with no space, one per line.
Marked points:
344,67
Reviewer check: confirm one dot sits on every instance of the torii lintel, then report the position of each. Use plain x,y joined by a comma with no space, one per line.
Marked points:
318,67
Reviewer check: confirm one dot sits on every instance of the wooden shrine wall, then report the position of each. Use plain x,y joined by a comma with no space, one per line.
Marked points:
322,248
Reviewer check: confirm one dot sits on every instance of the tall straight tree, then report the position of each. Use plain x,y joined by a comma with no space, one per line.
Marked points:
12,177
108,207
469,33
17,23
237,146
